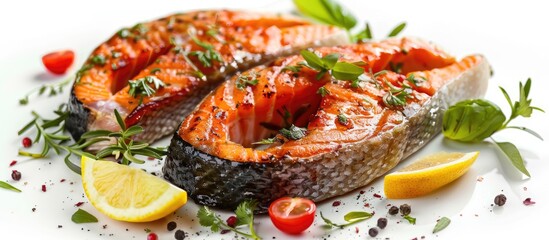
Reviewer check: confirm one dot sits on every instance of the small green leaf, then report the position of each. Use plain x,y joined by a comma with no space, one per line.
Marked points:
207,218
330,60
75,168
357,216
313,60
397,29
293,132
81,216
513,154
342,119
8,186
326,11
119,120
323,91
265,141
346,71
245,212
410,219
441,224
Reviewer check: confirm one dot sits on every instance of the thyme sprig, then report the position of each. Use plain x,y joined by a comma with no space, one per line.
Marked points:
52,89
208,55
51,132
142,87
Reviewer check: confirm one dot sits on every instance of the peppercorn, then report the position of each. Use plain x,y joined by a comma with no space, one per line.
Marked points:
405,209
373,232
15,175
171,226
500,200
393,210
231,221
179,235
27,142
382,223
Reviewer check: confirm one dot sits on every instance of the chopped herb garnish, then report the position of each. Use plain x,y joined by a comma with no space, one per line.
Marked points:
98,60
266,141
416,81
323,91
124,33
155,70
8,186
142,87
396,67
293,132
410,219
441,224
81,216
396,96
350,218
246,80
329,64
116,54
207,56
244,214
397,30
294,69
342,119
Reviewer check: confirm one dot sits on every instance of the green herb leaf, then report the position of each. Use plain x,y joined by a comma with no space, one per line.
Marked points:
98,60
244,212
313,60
535,134
8,186
363,35
326,11
441,224
397,29
142,87
207,218
81,216
342,119
512,153
346,71
293,132
410,219
246,80
351,218
294,69
323,91
208,56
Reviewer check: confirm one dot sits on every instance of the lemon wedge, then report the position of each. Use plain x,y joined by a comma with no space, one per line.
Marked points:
428,174
129,194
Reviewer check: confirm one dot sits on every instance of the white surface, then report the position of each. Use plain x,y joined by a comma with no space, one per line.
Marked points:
512,36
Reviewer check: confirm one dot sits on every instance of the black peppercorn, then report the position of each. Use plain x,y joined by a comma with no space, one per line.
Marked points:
179,235
500,200
16,175
373,232
405,209
393,210
171,226
382,223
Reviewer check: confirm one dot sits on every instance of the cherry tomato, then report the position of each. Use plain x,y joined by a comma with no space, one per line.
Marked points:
58,62
292,215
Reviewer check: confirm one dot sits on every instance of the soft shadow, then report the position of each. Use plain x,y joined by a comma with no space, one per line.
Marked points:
44,76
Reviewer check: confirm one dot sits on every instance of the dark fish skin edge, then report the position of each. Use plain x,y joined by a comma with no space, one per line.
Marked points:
222,183
77,122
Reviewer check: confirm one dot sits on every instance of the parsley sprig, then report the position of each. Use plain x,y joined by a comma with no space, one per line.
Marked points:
51,132
244,215
331,13
350,218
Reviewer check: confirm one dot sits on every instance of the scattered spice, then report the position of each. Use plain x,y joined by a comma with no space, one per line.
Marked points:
171,226
373,232
33,209
500,200
382,223
225,231
336,203
27,142
356,229
393,210
405,209
528,202
377,195
179,235
13,163
62,180
16,175
43,188
480,178
152,236
231,221
59,226
78,204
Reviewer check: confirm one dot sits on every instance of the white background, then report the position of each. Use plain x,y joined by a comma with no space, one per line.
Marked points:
513,36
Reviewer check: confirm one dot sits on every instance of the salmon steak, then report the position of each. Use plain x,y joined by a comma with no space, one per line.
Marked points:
155,72
286,129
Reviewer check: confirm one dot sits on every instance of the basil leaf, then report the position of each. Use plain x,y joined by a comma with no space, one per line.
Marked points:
326,11
8,186
313,60
346,71
512,153
356,216
441,224
397,29
81,216
472,120
330,60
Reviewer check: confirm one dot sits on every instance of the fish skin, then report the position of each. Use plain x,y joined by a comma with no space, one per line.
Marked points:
103,88
223,183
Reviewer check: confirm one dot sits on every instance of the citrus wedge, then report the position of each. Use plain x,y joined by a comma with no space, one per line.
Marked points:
129,194
428,174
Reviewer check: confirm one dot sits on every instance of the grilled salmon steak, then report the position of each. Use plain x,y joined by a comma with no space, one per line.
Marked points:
155,72
286,130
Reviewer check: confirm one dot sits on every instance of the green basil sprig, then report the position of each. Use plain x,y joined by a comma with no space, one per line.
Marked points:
478,119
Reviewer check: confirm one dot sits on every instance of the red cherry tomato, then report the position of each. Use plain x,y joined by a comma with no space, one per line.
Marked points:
292,215
58,62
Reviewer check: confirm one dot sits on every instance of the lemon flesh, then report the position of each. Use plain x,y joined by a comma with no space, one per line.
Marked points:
428,174
129,194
